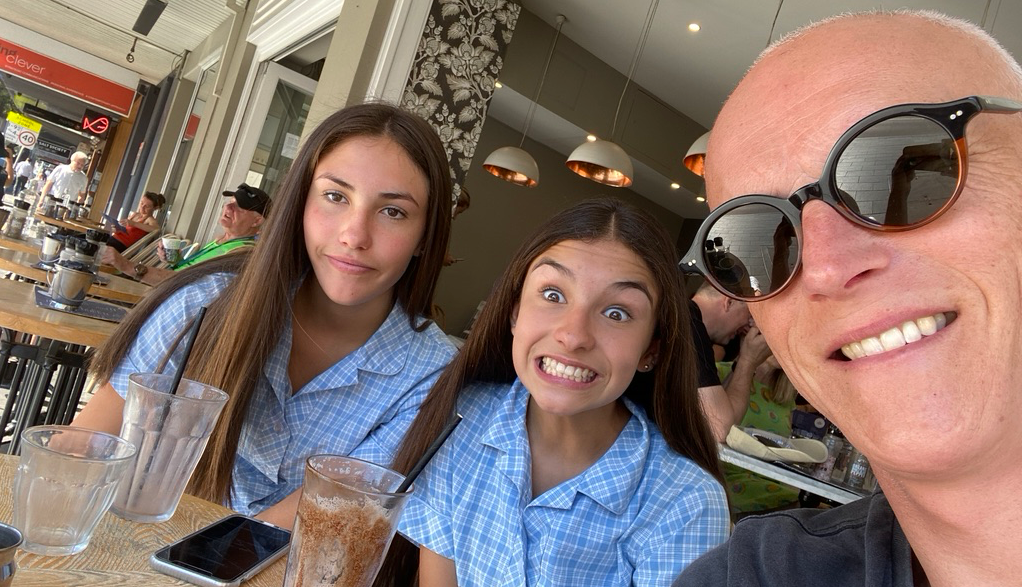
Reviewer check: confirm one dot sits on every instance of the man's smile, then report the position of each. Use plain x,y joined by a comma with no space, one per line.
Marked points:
896,337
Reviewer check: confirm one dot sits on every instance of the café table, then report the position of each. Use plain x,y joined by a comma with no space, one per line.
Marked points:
115,288
23,246
788,476
118,553
51,360
79,225
19,312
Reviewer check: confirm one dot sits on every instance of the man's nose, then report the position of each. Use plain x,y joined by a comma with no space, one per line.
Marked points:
836,254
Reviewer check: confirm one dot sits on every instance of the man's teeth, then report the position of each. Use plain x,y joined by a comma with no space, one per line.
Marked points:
899,336
558,369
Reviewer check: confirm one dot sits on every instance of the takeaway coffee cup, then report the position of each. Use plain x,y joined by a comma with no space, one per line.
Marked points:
172,248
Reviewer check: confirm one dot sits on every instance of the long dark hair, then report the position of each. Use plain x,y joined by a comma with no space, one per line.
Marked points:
668,393
243,324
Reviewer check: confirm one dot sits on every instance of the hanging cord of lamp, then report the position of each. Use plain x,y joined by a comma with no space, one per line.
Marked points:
515,164
695,158
604,161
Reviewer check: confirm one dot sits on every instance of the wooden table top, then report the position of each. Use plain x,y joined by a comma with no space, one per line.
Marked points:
24,246
117,288
18,311
118,553
79,224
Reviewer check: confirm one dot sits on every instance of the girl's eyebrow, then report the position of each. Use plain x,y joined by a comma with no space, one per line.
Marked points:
621,285
404,196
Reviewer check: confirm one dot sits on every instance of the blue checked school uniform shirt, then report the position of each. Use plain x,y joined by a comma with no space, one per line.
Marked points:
637,516
361,406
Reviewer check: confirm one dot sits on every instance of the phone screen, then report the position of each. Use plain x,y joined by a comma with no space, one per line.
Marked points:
227,549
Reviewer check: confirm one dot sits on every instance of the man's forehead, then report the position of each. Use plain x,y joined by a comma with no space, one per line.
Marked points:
774,133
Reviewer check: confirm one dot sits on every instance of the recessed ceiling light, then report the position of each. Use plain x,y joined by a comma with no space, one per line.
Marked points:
675,185
498,85
590,138
694,27
700,198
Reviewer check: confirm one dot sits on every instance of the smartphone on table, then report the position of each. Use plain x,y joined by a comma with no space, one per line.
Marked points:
223,554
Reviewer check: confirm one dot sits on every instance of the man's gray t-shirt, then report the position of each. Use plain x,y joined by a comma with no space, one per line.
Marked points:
858,544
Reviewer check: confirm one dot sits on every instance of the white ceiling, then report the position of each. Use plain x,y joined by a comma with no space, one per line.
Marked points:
695,72
692,72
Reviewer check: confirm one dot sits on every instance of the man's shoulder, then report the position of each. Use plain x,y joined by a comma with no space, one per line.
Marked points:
840,546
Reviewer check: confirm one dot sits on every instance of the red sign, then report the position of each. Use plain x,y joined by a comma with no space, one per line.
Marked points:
95,123
66,79
191,127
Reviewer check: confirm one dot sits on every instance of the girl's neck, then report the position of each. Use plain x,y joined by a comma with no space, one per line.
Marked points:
345,326
323,332
562,447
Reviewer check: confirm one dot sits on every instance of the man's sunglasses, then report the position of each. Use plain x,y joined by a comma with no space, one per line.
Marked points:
896,169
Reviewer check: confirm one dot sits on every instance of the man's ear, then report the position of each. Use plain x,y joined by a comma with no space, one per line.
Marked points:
727,303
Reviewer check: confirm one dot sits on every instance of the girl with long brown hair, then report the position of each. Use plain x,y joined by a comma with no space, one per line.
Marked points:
583,457
321,334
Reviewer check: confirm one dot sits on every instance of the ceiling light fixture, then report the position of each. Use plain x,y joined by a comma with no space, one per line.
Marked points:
675,185
694,27
700,198
604,161
591,138
130,57
498,85
695,158
515,164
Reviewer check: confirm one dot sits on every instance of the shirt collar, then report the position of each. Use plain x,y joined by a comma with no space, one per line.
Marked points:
377,354
624,461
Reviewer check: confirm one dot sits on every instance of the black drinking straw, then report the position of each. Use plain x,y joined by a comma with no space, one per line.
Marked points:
426,456
188,349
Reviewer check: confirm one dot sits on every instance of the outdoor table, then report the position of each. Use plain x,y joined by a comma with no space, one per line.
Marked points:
118,553
51,367
24,246
116,288
78,225
789,477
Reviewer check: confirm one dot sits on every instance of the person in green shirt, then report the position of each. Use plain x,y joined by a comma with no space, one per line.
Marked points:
242,217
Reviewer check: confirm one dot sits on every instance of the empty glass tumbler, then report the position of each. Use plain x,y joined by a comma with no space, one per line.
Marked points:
170,430
65,483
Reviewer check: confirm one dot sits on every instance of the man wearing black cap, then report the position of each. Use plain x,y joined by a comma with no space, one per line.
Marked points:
242,217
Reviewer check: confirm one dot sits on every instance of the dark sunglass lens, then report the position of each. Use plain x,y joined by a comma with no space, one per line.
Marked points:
898,172
757,251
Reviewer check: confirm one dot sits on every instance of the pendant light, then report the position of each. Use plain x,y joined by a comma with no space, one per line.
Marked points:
515,164
604,161
695,158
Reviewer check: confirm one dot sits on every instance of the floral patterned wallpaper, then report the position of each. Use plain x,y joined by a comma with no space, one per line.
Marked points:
460,56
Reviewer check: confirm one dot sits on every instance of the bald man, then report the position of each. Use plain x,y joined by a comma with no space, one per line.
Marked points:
859,127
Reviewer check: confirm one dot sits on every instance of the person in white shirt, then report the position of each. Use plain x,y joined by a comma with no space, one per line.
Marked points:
69,179
22,173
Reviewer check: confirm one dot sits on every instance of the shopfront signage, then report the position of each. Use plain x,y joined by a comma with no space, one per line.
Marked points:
56,150
46,115
66,79
95,123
